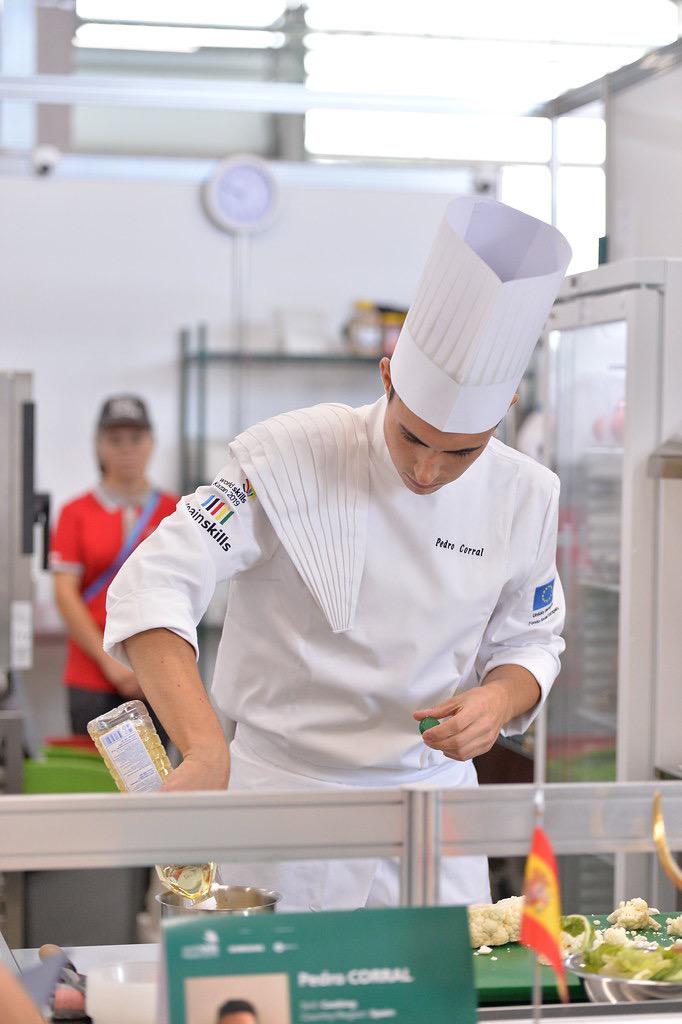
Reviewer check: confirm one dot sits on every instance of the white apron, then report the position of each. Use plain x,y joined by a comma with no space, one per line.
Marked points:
343,884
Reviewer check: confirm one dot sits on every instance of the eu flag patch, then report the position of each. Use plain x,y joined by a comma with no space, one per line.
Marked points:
544,596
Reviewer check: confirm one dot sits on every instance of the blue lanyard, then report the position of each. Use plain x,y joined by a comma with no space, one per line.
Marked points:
127,547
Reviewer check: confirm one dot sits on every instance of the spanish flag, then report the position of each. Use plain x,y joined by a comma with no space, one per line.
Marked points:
541,921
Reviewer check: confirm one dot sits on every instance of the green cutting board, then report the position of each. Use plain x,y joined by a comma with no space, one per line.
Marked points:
509,979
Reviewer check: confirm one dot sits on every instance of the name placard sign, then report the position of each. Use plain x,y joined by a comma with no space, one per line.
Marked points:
407,965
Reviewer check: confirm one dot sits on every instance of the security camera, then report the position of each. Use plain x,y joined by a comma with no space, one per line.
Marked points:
485,182
45,159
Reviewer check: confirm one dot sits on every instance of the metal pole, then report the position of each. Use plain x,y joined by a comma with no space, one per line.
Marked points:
608,166
18,52
202,399
554,168
420,869
240,253
12,882
406,861
432,848
540,748
11,747
183,418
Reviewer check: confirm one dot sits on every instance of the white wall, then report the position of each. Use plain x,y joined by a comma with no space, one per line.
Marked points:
645,168
97,276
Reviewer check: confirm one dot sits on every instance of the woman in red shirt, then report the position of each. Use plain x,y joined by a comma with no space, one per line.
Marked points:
94,535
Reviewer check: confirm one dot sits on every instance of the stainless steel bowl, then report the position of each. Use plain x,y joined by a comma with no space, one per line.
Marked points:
621,990
229,899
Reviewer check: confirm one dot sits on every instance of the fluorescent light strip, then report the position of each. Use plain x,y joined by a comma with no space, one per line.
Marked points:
646,22
173,40
424,135
456,68
232,13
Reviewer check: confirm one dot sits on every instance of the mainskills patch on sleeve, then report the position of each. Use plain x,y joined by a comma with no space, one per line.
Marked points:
212,515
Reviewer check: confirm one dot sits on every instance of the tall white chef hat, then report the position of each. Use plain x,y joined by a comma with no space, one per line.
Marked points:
485,294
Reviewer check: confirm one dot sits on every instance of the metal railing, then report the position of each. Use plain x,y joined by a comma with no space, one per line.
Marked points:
418,825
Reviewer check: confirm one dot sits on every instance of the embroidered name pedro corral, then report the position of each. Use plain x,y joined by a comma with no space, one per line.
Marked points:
464,549
212,527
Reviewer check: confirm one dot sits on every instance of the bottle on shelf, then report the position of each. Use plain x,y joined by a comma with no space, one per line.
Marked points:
365,329
392,322
132,751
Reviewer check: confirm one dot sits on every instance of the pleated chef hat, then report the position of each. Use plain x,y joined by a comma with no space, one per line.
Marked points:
485,294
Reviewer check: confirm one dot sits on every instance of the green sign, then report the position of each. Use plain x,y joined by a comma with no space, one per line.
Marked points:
409,966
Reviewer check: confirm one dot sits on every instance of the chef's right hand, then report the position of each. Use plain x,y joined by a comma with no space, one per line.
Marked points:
121,678
204,769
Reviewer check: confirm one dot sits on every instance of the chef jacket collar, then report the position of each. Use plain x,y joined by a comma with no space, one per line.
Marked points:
112,502
378,449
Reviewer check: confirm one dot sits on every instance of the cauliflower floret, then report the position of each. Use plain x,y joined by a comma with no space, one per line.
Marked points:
571,944
495,924
485,950
634,915
616,937
674,926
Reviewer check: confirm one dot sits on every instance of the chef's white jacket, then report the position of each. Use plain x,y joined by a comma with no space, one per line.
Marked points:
454,583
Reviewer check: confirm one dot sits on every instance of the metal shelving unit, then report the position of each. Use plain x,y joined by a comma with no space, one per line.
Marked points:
195,358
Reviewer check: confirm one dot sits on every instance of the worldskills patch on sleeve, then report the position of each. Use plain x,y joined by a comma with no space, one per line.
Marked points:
544,596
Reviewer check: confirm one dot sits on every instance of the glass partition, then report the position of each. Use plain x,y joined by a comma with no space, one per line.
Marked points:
587,401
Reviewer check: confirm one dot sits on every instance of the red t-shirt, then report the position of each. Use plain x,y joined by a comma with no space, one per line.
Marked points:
89,534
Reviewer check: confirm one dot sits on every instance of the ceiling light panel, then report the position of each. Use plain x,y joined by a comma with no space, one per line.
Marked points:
235,13
528,72
619,22
428,136
172,40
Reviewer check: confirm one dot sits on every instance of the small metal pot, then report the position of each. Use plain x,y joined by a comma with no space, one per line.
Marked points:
621,990
229,899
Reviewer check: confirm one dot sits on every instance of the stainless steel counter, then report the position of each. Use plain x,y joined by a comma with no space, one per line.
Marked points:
85,957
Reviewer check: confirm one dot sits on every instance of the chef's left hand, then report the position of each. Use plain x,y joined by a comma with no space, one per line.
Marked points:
473,721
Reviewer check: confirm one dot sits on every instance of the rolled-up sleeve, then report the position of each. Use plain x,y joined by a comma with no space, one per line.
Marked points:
213,535
525,628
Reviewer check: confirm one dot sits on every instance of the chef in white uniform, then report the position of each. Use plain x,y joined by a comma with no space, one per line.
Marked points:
386,564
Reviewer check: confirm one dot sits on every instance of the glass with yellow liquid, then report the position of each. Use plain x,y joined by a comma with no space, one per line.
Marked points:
133,753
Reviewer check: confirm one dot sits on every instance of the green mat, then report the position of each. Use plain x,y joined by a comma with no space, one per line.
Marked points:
73,753
61,774
592,766
509,979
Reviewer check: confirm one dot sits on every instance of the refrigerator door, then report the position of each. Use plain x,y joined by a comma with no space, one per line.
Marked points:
602,402
588,368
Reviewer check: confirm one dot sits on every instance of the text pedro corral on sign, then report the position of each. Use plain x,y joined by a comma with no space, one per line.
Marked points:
404,966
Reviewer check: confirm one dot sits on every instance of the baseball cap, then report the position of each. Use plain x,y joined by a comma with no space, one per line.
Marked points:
124,411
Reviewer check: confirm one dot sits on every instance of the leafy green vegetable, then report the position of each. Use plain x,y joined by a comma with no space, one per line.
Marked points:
577,934
636,964
576,924
673,972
